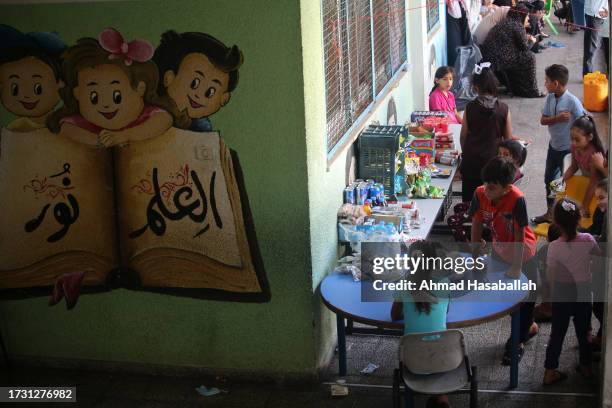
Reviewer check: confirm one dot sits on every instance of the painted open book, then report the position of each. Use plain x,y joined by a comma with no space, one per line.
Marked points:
168,214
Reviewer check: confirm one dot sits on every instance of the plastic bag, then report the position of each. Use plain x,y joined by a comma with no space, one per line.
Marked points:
556,187
467,57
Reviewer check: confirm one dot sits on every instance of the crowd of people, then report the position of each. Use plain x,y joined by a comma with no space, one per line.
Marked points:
509,35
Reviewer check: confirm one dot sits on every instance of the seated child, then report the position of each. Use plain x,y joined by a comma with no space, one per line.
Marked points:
423,311
568,271
515,151
585,142
441,98
599,231
503,206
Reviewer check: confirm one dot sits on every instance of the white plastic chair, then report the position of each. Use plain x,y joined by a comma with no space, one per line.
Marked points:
434,363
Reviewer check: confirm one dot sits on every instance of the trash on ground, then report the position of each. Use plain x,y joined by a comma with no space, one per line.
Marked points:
338,390
209,392
370,368
555,44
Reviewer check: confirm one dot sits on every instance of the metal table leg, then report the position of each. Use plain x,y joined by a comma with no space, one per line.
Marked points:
514,336
341,345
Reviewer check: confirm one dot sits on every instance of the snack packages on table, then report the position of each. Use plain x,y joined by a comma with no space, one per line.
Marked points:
419,116
436,120
424,146
422,183
422,187
448,157
444,141
440,124
436,192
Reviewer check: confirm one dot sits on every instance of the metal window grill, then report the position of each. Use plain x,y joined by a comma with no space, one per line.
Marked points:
350,29
433,13
390,51
348,64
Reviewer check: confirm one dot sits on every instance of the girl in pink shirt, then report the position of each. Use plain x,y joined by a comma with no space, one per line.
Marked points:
568,269
585,143
441,98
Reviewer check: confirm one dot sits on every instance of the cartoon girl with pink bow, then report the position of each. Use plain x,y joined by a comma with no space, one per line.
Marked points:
110,95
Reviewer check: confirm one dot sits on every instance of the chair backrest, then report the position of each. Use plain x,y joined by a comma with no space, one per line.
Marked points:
575,188
434,352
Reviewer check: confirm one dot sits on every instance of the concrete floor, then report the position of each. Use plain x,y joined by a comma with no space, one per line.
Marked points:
105,389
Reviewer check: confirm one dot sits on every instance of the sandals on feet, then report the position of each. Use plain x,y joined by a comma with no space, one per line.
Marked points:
558,377
507,359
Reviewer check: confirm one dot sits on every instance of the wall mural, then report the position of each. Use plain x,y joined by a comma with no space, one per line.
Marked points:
112,175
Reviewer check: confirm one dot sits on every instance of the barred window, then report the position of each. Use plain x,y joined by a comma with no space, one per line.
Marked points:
364,46
433,14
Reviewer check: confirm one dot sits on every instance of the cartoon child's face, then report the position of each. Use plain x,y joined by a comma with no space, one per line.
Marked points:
198,87
106,97
28,87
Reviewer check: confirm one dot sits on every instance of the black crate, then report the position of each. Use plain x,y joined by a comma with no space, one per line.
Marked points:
377,146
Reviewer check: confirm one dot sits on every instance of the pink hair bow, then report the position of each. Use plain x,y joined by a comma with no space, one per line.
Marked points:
138,50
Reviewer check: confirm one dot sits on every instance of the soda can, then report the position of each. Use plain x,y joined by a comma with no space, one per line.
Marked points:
381,192
364,188
372,191
348,195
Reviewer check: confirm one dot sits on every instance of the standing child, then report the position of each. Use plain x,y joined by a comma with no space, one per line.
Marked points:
502,206
486,122
561,109
513,150
585,143
441,98
543,311
423,311
570,276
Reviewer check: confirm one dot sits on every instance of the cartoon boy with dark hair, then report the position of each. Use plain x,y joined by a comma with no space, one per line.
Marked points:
198,72
30,76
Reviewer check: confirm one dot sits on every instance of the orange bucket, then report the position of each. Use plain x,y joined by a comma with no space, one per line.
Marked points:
595,92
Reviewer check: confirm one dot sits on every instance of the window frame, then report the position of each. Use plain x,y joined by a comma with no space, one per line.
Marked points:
359,123
436,24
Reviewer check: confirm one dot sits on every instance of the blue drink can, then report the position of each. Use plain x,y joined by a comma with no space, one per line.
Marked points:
363,188
348,195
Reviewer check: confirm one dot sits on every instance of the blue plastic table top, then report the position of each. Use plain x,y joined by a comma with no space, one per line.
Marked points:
342,295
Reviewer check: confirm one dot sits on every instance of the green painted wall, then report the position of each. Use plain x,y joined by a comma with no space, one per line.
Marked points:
264,122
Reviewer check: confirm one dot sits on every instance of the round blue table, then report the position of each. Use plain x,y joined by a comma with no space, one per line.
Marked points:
342,295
